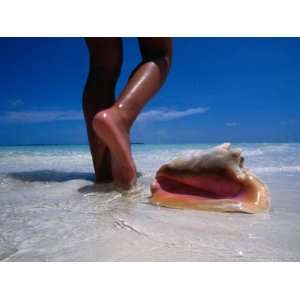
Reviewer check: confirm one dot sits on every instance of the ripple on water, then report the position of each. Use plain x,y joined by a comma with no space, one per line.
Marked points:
50,209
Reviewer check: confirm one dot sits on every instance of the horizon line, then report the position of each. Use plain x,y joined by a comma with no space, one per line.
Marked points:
163,143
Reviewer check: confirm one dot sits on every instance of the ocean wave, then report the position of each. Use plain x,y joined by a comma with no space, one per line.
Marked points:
266,150
253,152
278,169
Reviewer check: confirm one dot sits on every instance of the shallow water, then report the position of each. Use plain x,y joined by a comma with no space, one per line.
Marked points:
50,210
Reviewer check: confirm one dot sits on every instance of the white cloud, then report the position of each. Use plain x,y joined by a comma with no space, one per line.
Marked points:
40,116
231,124
163,114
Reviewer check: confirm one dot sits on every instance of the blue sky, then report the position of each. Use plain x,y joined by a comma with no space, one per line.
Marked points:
218,89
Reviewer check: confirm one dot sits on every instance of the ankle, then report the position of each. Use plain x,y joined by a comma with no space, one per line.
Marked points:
122,116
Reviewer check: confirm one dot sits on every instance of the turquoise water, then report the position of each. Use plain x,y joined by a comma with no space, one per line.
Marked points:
51,210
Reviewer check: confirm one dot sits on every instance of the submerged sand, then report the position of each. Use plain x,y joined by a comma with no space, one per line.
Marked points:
50,210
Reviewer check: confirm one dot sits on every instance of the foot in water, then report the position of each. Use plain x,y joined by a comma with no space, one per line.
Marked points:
112,130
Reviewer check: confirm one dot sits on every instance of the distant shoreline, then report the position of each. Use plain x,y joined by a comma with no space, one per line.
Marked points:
142,143
20,145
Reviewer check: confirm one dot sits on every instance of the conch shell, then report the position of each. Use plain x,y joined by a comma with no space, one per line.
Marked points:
213,179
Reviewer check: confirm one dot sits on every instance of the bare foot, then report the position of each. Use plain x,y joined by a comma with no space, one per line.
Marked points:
110,128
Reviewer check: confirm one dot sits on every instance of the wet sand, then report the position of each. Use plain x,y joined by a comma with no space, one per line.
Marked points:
50,210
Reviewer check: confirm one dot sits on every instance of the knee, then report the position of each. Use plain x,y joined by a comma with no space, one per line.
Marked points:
158,50
161,57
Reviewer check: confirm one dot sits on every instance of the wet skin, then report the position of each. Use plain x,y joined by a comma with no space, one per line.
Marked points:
109,120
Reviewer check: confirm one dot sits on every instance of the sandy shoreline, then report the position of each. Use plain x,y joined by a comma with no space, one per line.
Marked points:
60,215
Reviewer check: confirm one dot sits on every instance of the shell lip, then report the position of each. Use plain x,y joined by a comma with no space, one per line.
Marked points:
215,179
198,186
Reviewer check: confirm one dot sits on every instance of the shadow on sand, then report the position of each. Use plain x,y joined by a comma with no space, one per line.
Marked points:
61,176
51,176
